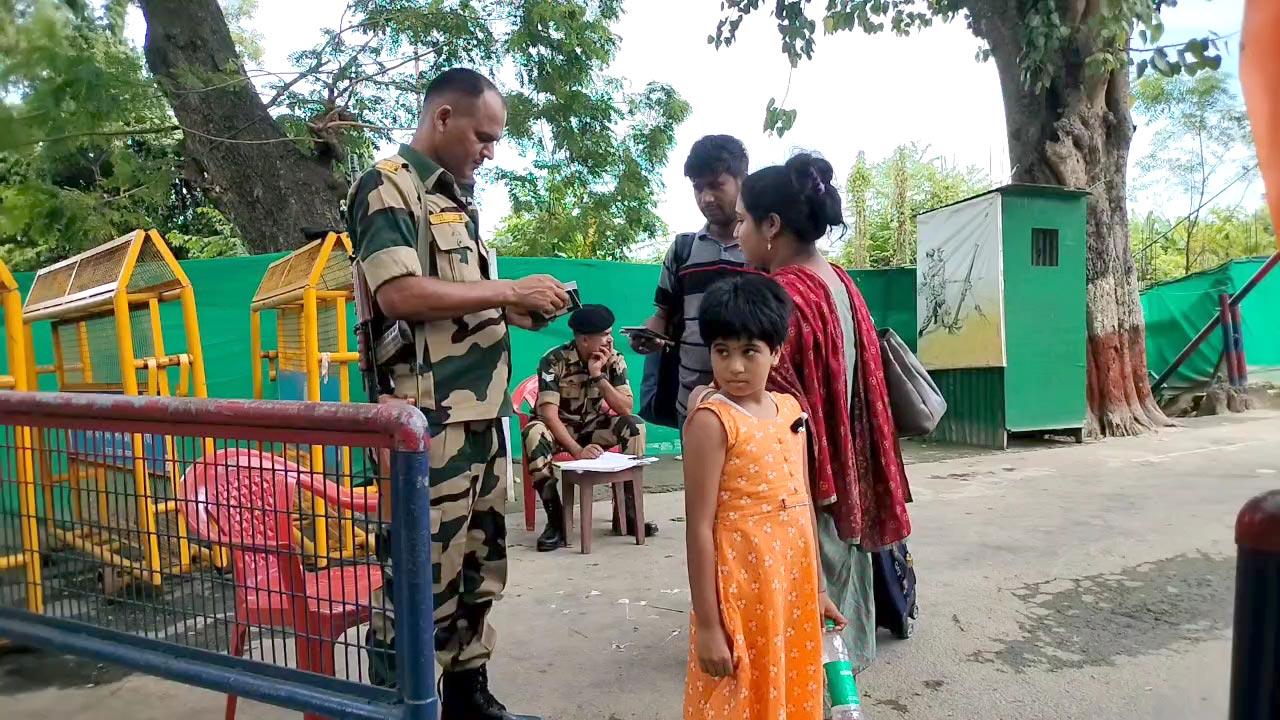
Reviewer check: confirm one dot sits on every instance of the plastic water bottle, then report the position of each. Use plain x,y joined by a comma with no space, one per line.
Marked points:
842,688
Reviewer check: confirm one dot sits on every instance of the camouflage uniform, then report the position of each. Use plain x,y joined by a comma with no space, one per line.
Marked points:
408,217
563,380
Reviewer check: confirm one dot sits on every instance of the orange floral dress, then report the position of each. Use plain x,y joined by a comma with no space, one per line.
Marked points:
766,576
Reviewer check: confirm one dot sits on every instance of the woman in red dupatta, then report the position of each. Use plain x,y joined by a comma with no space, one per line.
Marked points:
831,363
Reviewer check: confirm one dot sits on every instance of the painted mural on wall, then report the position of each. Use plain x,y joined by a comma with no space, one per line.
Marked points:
959,295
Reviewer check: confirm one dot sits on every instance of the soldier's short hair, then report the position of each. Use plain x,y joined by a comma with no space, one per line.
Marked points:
459,81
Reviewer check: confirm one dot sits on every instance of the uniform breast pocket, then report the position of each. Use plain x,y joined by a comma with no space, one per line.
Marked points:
456,255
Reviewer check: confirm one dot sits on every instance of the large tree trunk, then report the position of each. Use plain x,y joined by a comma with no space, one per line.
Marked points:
1077,133
264,184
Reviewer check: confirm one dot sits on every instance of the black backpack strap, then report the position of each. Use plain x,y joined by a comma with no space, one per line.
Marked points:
682,248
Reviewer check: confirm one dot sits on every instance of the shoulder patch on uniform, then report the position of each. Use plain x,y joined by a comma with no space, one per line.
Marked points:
548,376
447,218
387,166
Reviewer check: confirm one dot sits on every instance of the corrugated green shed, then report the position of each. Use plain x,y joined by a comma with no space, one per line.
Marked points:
1035,381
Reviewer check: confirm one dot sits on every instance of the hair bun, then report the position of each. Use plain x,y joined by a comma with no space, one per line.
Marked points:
813,176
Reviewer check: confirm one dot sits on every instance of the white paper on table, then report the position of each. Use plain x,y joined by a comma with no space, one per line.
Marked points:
608,462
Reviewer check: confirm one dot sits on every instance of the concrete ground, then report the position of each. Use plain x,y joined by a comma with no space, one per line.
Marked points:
1055,583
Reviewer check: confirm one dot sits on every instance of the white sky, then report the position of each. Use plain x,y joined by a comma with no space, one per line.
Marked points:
858,93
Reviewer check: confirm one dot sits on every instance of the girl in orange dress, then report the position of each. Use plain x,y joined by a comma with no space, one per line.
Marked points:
755,649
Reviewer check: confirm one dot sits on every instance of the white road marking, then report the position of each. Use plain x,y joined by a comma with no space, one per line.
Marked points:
1166,456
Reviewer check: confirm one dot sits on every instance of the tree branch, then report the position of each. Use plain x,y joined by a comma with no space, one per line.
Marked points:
1176,45
197,133
96,133
389,68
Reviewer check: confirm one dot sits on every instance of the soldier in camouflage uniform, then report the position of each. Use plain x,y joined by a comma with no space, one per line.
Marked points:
414,226
584,406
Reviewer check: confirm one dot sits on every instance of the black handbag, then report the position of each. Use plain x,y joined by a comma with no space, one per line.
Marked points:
660,387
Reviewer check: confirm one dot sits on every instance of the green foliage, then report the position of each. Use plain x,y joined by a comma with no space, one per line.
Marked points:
1201,145
856,251
237,14
1044,36
1224,233
602,208
597,150
207,235
883,199
87,147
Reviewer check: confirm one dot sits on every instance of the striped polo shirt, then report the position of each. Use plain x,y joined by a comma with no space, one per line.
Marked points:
709,261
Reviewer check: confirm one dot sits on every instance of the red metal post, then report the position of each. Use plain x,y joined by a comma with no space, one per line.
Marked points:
1255,661
1237,328
1228,339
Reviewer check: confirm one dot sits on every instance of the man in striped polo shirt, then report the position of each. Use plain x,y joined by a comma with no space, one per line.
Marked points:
716,166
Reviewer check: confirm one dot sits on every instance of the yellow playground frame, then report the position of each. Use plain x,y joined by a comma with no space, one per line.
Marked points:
105,309
21,377
308,292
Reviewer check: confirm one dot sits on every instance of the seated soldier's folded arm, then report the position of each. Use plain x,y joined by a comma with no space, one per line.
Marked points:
548,404
615,388
549,413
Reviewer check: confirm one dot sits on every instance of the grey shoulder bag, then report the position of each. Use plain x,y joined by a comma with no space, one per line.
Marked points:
915,401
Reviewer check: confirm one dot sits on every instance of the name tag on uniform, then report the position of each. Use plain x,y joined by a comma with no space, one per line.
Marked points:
447,218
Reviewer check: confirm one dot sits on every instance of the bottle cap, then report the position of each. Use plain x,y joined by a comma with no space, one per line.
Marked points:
828,624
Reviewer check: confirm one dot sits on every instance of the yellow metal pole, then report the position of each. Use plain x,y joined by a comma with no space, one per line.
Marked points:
16,340
129,378
20,362
30,526
200,387
33,375
172,472
59,363
311,358
157,344
187,299
344,395
311,344
86,362
255,350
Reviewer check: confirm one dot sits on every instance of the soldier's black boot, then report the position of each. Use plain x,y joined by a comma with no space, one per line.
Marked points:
552,538
466,696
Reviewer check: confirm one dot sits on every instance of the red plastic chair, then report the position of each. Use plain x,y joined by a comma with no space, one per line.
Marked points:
526,393
241,499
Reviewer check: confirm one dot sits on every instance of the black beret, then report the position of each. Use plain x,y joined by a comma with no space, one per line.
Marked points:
591,320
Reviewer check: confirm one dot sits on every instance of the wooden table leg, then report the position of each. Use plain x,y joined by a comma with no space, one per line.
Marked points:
619,514
566,508
584,519
637,487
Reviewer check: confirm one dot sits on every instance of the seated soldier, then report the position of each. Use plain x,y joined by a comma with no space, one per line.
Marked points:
579,385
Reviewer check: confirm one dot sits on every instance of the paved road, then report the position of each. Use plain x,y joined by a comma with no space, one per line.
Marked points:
1074,582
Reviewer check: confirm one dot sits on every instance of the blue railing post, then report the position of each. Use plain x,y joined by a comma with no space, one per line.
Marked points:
411,558
1255,661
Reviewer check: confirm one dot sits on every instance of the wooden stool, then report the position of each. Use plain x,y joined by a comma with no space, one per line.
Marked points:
587,480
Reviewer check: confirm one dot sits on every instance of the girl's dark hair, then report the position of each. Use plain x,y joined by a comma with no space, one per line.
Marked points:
800,193
745,306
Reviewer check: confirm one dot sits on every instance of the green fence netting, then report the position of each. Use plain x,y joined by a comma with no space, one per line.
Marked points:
225,286
1176,310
